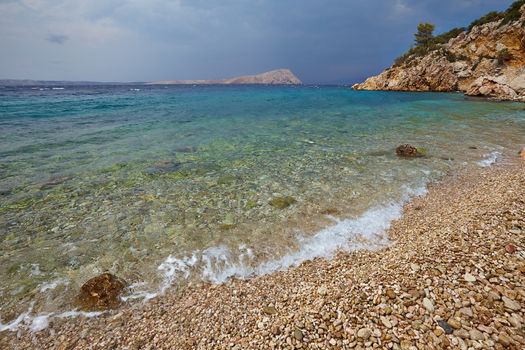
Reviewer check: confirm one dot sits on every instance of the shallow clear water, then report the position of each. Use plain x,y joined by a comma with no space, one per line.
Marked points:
162,185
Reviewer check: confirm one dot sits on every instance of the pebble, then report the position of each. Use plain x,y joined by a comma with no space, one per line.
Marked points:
514,321
386,322
476,335
466,311
270,310
364,333
322,291
454,323
504,339
427,303
462,333
510,248
446,327
469,278
297,334
511,304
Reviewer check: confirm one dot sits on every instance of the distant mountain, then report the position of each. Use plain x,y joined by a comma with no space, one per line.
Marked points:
274,77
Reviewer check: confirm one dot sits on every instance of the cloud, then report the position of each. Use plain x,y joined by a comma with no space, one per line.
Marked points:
190,39
400,10
57,38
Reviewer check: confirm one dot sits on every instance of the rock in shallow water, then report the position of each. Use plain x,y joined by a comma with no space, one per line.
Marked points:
282,202
53,181
101,293
409,151
162,167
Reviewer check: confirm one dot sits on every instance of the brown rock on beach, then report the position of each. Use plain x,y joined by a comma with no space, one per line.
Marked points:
101,293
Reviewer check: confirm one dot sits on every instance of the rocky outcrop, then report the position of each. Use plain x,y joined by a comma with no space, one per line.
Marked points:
274,77
488,61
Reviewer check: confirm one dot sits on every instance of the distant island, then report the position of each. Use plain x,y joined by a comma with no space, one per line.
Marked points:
57,83
486,59
274,77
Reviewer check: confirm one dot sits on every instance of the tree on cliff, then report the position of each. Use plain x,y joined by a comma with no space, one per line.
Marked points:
424,34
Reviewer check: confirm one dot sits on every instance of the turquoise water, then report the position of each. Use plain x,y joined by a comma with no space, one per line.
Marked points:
165,185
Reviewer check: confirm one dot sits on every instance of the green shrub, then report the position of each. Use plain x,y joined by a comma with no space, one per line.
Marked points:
504,56
489,17
445,37
513,13
414,52
452,57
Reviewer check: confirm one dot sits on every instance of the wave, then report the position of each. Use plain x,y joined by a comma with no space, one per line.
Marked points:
217,264
489,159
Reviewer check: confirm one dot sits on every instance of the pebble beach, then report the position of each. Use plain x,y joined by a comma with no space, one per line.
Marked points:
453,278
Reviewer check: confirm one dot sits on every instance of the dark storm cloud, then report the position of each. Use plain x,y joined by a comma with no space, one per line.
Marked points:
57,38
321,41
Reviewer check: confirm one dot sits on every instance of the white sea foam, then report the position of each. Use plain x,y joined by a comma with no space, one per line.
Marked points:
53,284
39,322
218,264
13,325
489,159
35,270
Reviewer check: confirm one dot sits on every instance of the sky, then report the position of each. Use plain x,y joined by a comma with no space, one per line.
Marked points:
321,41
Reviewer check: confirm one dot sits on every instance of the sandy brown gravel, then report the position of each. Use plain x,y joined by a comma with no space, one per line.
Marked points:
454,278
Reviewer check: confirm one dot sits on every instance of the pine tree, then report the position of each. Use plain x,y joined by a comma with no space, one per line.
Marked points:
424,34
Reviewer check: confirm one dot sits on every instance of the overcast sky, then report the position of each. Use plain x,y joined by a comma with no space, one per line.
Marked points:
142,40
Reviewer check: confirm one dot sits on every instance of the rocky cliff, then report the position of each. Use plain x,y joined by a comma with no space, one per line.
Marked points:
486,60
274,77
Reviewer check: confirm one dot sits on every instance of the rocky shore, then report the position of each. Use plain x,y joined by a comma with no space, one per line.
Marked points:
453,278
486,60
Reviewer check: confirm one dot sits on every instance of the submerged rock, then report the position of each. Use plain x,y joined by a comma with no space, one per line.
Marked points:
101,293
522,153
53,181
282,202
409,151
163,166
186,149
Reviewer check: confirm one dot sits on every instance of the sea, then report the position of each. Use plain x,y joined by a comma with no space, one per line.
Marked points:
167,186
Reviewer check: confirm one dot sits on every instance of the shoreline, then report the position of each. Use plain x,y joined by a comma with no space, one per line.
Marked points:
465,95
397,297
